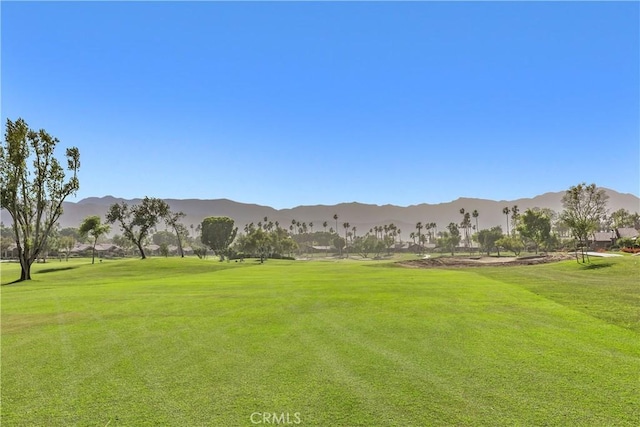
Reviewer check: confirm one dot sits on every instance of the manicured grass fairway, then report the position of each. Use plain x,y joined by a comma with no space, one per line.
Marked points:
187,342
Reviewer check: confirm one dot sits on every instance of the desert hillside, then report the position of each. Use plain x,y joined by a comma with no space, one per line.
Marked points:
362,216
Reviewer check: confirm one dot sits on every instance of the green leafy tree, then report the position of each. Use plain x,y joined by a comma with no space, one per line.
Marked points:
5,244
487,239
510,243
364,245
200,251
123,242
450,239
218,232
627,242
52,243
66,243
72,232
93,227
623,218
338,243
5,231
260,242
535,226
172,219
552,243
163,236
33,187
164,249
584,206
137,221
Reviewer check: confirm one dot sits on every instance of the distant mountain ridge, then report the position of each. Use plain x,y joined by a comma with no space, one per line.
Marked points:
362,216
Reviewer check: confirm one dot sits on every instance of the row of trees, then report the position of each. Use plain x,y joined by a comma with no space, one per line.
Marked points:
34,185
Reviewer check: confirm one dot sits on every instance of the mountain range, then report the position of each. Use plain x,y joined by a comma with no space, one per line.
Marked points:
362,216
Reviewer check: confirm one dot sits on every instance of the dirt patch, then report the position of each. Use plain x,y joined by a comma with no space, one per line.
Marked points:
485,261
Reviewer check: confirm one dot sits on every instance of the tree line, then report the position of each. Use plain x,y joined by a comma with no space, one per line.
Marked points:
34,185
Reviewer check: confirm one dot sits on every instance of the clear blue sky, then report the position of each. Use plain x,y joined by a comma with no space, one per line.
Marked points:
288,103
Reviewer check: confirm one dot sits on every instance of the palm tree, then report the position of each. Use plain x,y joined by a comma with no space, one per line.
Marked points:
475,214
353,229
346,226
462,211
507,211
324,225
514,218
335,216
466,224
419,228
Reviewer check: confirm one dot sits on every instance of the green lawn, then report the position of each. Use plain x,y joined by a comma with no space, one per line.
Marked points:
189,342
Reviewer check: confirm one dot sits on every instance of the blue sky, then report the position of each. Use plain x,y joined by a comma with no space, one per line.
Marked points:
290,103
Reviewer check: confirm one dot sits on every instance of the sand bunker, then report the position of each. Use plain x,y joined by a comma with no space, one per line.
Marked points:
482,261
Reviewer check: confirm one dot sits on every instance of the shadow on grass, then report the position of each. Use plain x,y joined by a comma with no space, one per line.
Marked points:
46,270
591,266
52,269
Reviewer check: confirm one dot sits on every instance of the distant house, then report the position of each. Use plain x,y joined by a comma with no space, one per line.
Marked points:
629,232
11,252
401,247
602,240
320,248
81,249
412,248
187,250
103,250
109,250
152,249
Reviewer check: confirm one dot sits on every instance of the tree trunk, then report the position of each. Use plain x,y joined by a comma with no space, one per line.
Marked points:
139,245
180,246
25,273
